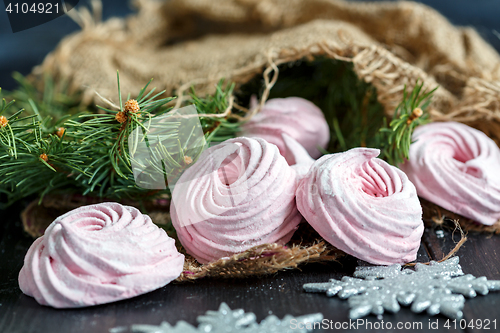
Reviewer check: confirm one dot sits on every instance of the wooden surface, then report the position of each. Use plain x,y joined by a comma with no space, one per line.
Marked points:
279,294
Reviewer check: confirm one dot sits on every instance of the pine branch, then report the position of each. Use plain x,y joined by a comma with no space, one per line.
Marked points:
23,153
52,100
411,112
89,154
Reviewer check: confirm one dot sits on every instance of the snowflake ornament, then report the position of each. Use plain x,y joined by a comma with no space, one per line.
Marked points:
226,320
437,288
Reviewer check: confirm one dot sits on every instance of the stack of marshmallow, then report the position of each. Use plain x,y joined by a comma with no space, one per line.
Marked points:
242,193
355,201
256,189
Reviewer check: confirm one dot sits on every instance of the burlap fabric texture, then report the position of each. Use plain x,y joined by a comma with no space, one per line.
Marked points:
181,43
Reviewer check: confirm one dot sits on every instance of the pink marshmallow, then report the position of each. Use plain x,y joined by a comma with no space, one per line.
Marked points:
239,194
458,168
99,254
294,116
363,206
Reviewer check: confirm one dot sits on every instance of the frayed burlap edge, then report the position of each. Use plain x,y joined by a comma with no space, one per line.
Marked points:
479,108
260,260
372,64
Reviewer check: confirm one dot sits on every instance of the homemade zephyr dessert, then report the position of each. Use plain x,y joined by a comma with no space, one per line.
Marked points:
294,116
99,254
458,168
239,194
363,206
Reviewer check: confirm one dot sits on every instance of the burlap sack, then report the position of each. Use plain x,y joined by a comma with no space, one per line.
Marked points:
181,43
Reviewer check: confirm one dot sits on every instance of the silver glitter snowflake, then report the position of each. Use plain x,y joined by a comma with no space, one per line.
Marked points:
437,288
233,321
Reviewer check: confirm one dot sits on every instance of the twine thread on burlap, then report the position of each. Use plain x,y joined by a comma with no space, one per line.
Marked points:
370,66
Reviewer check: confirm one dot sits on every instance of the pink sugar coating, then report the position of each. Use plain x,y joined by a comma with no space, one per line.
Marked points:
294,116
458,168
99,254
363,206
239,194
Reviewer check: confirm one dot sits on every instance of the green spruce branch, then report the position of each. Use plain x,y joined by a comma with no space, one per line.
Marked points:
395,138
87,152
50,99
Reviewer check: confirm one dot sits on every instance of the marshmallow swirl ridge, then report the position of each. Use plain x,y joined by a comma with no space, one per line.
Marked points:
458,168
363,206
99,254
239,194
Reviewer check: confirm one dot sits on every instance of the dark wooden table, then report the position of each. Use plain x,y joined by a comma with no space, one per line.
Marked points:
279,294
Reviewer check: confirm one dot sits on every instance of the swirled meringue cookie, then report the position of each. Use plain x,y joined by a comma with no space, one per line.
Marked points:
99,254
295,116
363,206
239,194
458,168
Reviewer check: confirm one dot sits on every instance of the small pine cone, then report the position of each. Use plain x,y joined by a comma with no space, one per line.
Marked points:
416,113
3,121
60,131
188,160
132,106
121,117
44,157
